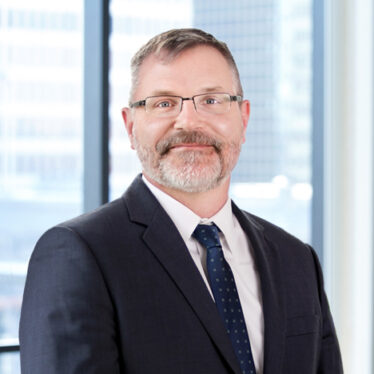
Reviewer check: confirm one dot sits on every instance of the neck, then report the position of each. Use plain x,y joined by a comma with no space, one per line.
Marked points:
204,204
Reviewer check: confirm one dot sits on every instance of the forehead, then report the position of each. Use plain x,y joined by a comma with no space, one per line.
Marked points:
193,71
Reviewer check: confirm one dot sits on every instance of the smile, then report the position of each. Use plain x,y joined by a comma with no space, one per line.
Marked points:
191,145
187,141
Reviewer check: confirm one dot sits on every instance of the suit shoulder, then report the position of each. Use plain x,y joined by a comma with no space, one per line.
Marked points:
275,233
100,222
291,251
101,215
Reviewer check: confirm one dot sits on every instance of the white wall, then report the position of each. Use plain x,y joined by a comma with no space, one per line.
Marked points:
349,177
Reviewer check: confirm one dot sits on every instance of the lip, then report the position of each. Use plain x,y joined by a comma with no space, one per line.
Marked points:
190,145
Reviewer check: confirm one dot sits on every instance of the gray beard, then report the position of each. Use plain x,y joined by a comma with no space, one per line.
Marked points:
188,171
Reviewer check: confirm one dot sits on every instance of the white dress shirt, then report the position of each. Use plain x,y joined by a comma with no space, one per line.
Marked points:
238,254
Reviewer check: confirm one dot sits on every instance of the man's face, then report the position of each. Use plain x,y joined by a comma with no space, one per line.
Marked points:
191,151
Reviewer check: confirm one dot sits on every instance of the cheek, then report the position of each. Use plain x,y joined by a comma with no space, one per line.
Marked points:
231,131
149,134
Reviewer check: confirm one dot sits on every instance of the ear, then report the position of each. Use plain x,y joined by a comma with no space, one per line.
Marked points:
245,112
129,124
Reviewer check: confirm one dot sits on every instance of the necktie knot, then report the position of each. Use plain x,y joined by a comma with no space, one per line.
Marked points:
207,235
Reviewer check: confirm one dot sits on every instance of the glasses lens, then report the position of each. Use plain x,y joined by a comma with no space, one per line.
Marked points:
163,106
215,103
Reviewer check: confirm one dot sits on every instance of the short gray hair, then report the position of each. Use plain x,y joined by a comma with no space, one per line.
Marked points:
170,44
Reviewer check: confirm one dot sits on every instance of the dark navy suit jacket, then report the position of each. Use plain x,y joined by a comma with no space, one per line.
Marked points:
116,291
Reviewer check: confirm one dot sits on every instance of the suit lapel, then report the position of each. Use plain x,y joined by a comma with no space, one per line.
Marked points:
267,262
163,239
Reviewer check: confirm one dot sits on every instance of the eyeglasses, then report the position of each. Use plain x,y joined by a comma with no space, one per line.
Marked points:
170,105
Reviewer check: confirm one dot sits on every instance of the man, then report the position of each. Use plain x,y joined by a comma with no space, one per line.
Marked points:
173,277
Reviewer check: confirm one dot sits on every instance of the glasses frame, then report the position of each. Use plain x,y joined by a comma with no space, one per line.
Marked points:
140,103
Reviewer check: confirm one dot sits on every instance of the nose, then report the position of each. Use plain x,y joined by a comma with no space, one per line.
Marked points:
188,118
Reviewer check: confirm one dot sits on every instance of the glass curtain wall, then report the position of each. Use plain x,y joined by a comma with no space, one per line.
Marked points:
40,139
272,43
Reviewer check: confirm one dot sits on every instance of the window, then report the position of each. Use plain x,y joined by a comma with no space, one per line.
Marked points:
40,140
41,132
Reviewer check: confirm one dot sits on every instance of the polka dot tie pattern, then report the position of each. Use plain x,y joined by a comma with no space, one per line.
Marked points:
226,296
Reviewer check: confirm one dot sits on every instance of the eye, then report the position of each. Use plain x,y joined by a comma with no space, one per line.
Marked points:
164,103
209,99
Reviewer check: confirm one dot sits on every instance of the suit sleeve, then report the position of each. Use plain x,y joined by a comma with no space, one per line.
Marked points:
330,361
67,319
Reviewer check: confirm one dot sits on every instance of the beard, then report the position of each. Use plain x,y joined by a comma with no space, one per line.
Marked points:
192,170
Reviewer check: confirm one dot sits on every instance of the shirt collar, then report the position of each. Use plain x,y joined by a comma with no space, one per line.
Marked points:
227,223
186,220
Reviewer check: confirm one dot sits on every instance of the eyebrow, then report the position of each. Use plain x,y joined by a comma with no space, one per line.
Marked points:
163,93
172,93
213,89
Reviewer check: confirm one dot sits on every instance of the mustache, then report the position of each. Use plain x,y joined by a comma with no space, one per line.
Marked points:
187,137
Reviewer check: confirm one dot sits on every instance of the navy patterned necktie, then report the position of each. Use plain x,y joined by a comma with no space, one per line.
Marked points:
226,296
